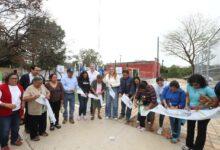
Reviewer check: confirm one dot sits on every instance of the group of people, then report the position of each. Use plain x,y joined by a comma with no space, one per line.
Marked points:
19,95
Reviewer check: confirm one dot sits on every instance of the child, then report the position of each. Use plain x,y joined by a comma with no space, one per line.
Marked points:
98,88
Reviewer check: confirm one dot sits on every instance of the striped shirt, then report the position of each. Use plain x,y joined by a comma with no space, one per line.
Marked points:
147,96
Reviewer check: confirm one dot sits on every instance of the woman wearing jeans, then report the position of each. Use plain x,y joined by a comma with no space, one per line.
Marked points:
10,111
84,84
174,98
112,81
196,89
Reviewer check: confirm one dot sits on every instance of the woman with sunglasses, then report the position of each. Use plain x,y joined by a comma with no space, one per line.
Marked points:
11,110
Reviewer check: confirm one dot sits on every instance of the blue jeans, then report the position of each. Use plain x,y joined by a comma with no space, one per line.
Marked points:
175,124
82,105
7,124
69,98
111,108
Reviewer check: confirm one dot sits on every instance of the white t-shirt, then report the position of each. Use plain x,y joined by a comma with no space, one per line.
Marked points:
92,75
15,96
31,77
99,88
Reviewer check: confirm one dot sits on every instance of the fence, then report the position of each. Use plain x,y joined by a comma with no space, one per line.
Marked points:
208,64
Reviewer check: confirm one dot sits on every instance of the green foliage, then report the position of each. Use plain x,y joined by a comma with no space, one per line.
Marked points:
44,44
88,56
176,72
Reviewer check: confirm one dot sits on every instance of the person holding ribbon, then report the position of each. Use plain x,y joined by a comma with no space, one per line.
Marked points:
84,84
174,97
98,88
199,96
146,97
11,110
161,84
125,88
56,98
112,81
36,111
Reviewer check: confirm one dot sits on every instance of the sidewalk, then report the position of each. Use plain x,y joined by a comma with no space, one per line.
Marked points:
98,135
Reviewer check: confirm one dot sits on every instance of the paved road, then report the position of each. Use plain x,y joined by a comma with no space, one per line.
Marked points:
98,135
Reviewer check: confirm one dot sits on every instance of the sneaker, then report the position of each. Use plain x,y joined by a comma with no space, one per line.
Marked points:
121,117
160,131
186,148
37,138
128,122
174,140
106,117
71,121
17,143
115,118
79,118
5,148
64,121
44,134
139,127
92,118
99,117
58,126
52,128
142,129
84,118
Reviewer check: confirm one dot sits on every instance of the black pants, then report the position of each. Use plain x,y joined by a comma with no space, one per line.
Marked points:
26,118
82,105
201,135
91,107
142,119
38,125
56,110
125,111
161,119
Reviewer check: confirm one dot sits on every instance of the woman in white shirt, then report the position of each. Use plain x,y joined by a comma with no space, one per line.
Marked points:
10,111
112,81
159,90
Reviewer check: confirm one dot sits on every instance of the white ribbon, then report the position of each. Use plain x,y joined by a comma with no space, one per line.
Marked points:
184,114
127,101
43,101
112,93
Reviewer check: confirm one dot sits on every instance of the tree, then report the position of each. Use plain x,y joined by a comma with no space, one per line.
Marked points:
192,38
44,43
88,56
13,27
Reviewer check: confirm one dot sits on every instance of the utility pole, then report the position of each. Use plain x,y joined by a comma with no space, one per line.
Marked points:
158,55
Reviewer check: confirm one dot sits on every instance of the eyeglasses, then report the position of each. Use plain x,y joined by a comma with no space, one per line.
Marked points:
14,78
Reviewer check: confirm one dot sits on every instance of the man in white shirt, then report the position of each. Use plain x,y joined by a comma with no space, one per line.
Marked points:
92,73
92,77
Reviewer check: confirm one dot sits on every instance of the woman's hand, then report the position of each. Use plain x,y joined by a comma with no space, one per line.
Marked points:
173,107
10,106
48,97
197,108
135,104
146,108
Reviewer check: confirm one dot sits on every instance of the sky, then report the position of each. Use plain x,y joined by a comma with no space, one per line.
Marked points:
126,28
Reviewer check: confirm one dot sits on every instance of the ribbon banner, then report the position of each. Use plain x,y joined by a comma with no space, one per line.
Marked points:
127,101
90,95
43,101
183,114
112,93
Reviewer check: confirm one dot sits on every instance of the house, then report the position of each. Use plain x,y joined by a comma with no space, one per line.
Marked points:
143,69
